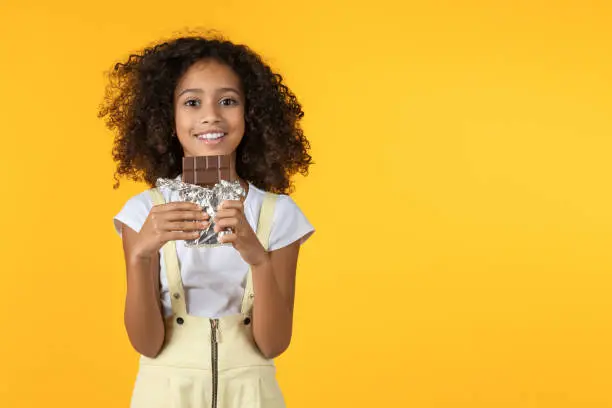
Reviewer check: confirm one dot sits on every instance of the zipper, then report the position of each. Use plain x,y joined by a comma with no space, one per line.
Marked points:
214,351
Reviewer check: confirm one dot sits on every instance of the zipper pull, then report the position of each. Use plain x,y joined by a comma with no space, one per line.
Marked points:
216,332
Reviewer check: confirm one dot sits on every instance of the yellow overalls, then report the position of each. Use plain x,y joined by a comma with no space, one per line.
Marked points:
207,362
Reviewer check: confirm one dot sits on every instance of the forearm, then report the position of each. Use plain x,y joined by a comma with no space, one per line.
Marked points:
272,313
143,317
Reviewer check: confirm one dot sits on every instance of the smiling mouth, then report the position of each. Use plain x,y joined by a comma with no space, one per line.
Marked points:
210,137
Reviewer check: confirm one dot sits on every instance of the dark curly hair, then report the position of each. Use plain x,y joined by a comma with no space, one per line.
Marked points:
138,107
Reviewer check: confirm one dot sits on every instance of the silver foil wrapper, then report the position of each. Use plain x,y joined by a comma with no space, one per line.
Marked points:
207,198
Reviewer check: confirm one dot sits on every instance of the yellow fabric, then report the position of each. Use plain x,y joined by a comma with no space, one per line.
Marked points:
264,226
181,376
175,283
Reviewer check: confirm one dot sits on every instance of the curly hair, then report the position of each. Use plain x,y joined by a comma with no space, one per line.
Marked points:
138,107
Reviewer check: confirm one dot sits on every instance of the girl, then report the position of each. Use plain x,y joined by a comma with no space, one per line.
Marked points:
208,322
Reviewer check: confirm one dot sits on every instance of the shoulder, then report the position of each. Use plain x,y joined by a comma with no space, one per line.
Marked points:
256,196
134,212
284,207
289,223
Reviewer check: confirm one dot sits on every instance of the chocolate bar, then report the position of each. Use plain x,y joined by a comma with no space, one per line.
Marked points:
206,171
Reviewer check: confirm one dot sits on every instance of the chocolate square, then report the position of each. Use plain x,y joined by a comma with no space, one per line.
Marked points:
206,171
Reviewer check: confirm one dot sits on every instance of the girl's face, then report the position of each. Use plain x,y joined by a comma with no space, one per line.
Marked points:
209,109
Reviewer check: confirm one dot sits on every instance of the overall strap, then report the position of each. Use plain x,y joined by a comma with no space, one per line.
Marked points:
173,271
264,226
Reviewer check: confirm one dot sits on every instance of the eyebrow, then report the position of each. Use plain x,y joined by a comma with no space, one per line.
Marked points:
198,90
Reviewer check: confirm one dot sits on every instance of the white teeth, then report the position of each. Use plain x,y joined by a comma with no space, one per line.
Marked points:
210,136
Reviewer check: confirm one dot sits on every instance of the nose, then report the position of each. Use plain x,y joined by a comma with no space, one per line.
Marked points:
209,114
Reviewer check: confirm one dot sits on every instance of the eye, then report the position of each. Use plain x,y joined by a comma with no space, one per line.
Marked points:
228,102
192,102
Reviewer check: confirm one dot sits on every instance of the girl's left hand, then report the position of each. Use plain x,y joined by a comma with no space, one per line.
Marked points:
230,214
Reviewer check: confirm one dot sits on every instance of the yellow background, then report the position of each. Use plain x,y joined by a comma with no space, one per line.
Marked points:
461,196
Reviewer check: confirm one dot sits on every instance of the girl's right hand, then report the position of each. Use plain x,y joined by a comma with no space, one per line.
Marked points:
169,222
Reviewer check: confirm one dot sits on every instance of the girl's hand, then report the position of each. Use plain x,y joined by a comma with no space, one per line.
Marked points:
230,214
169,222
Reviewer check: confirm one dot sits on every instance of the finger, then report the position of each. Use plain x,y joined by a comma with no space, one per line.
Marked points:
228,238
185,226
226,223
184,216
179,236
178,205
230,204
227,213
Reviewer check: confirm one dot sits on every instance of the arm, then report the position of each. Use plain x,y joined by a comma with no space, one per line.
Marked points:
273,279
143,316
274,283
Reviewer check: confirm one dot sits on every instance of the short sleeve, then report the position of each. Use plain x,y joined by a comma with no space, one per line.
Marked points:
134,213
289,224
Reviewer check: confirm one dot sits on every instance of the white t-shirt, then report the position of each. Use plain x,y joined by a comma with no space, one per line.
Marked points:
214,278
